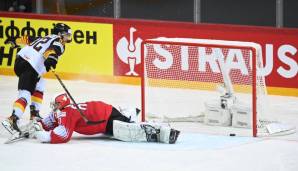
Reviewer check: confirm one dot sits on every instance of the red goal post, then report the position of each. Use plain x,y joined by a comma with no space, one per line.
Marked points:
181,70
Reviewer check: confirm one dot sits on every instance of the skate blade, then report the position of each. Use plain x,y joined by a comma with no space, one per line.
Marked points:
16,136
7,126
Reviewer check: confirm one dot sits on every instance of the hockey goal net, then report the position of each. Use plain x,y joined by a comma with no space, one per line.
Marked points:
211,81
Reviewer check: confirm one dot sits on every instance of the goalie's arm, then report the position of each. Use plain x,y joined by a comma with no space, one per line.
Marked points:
61,133
48,123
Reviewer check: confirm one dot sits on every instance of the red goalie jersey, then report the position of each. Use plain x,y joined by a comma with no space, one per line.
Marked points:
62,124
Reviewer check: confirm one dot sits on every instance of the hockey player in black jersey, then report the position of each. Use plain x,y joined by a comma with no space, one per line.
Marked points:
35,59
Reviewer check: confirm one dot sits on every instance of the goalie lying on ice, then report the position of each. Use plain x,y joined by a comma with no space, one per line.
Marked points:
64,119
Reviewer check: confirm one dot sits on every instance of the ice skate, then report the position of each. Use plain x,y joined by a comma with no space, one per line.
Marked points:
10,124
34,114
17,136
173,136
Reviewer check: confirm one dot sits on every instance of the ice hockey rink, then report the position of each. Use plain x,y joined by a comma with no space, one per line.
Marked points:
198,147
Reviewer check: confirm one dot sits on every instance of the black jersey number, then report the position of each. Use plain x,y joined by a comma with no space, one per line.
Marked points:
37,44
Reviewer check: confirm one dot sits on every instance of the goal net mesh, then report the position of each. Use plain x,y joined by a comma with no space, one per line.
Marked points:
181,75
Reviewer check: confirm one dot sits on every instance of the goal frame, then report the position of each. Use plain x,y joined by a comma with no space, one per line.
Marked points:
213,45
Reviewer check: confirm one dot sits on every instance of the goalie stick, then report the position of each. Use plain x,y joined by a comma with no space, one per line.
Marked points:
75,104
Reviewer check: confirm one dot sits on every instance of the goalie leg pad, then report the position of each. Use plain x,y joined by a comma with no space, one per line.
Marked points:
168,135
242,115
141,132
216,115
130,132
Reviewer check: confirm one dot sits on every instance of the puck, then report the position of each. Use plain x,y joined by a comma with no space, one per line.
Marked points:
232,134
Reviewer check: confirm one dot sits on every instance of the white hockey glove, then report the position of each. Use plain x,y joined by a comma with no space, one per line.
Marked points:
31,128
43,136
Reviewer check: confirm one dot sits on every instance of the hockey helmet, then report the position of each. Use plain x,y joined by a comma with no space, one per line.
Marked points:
63,30
60,101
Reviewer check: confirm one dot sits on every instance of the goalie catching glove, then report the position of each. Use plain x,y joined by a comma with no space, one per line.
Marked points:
35,130
32,127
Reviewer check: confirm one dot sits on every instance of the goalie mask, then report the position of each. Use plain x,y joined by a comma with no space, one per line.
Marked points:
62,30
59,102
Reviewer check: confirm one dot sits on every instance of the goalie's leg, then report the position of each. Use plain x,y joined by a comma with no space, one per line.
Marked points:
141,132
115,115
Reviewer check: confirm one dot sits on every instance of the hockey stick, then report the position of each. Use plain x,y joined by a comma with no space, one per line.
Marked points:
75,104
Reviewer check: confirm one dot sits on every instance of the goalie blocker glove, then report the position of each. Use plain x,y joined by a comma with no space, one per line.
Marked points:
50,62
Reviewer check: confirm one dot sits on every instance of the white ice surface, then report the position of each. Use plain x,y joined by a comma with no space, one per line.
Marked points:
195,150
